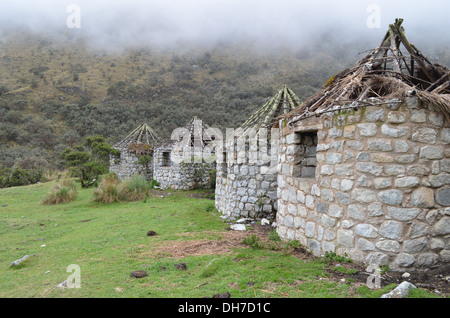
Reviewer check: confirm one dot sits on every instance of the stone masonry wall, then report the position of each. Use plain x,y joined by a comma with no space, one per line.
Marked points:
188,176
381,189
244,190
126,166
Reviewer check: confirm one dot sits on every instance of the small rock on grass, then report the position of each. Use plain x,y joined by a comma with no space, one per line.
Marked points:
224,295
401,291
20,261
181,266
138,274
238,227
151,233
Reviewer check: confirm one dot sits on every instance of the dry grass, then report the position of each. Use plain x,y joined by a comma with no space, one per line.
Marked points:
107,191
135,188
65,191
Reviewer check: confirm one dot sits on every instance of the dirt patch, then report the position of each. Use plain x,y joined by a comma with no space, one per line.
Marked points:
228,241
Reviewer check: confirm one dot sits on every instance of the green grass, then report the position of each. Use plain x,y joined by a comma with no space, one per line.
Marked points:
109,241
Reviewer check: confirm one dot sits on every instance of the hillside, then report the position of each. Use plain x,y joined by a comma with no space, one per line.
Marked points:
54,92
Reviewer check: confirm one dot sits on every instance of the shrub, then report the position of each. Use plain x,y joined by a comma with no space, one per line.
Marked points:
134,189
63,192
19,177
107,191
253,241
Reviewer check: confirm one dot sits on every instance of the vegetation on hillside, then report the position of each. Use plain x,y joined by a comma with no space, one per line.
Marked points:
54,94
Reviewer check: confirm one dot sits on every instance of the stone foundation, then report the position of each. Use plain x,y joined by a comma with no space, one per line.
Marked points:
380,192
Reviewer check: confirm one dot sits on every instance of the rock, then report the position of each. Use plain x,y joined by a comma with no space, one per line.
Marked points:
238,227
224,295
265,222
401,291
406,275
20,261
151,233
4,205
62,285
181,266
443,196
138,274
245,221
422,198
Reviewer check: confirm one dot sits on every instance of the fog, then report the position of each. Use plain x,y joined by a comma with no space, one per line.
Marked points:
264,23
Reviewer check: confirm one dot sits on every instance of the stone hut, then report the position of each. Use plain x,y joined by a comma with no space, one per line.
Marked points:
246,184
378,135
186,161
141,141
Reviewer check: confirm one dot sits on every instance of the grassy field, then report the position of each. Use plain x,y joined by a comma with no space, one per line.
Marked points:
109,241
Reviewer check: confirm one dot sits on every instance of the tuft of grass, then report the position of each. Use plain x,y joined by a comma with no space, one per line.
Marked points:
65,191
135,188
253,241
331,257
107,191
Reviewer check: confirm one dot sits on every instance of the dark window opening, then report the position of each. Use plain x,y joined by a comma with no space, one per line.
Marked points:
305,160
166,159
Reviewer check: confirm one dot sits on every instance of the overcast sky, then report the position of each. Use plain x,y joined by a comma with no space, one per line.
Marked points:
206,22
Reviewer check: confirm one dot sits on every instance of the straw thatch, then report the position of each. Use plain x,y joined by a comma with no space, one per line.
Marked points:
195,134
141,140
282,103
394,70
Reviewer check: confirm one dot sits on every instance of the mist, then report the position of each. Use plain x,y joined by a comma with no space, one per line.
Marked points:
267,24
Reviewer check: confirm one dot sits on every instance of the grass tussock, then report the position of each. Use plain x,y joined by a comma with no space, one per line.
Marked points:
65,191
135,188
107,191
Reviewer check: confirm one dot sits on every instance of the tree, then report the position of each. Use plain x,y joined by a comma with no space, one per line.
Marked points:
89,160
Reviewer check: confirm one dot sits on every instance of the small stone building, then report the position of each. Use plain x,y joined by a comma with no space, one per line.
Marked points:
246,184
141,141
364,164
186,161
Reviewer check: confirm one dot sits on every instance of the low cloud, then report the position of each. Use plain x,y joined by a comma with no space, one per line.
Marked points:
172,23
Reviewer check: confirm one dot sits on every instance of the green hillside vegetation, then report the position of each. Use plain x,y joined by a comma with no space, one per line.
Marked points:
54,93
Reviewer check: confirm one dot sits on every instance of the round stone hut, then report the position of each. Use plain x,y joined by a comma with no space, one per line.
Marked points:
378,136
246,184
187,161
136,153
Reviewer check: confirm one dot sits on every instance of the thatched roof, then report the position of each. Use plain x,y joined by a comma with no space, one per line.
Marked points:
141,140
195,133
282,103
394,70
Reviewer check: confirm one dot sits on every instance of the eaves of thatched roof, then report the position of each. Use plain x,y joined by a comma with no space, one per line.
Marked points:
195,134
282,103
396,69
143,139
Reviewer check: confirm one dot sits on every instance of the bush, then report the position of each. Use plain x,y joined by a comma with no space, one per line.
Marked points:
134,189
19,177
107,191
63,192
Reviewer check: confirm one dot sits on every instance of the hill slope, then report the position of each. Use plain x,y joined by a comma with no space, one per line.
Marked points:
55,92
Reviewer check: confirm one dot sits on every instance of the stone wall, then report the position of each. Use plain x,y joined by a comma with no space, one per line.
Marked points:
127,166
180,176
244,190
246,185
380,192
